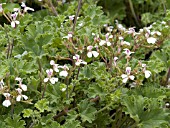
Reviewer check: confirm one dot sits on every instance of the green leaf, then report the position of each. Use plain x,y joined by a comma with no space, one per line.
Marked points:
15,122
27,113
87,111
42,105
146,112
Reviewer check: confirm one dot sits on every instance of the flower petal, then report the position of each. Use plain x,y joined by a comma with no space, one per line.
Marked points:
18,98
147,74
89,54
95,54
24,87
6,103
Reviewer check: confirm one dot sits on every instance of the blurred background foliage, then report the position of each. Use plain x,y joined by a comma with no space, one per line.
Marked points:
138,13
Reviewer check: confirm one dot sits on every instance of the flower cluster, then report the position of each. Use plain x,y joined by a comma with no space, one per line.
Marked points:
9,96
62,70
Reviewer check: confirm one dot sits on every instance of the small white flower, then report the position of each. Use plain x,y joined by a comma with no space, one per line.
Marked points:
78,60
26,8
22,86
63,73
127,76
151,40
55,66
68,36
147,73
115,59
6,102
102,42
127,52
125,42
53,80
19,97
91,53
71,17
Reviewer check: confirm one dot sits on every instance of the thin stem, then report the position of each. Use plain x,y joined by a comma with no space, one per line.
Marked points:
77,13
45,86
6,17
40,73
53,8
133,12
8,50
168,77
12,46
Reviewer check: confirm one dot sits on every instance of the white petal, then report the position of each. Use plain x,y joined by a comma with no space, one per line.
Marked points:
52,62
46,80
95,54
132,77
89,54
124,76
24,87
53,80
17,22
18,98
13,24
147,74
63,73
18,79
89,47
102,42
6,103
25,97
151,40
6,95
125,80
77,63
108,44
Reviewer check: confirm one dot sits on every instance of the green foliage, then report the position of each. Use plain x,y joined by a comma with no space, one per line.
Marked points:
56,72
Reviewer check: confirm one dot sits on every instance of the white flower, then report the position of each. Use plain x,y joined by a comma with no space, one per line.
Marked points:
64,72
78,60
102,42
127,52
53,80
71,17
127,76
115,59
125,42
55,66
22,86
26,8
6,103
151,40
91,53
68,36
20,95
147,73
